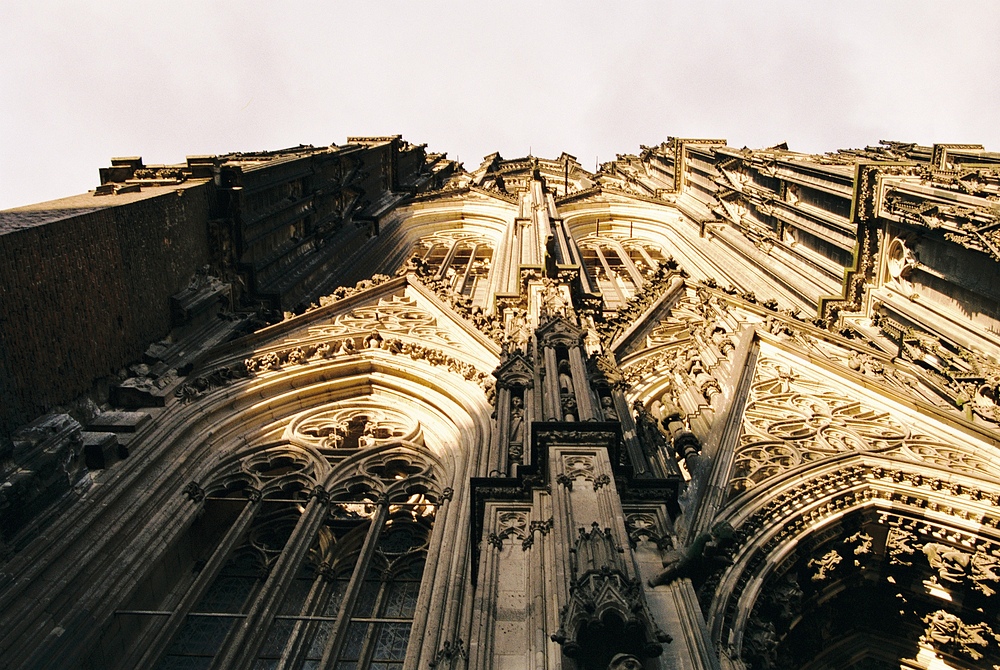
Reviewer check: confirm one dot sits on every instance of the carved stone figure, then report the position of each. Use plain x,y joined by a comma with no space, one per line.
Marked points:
952,564
707,552
608,409
565,380
516,420
625,662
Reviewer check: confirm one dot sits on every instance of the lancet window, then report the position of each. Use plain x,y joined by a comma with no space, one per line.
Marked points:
460,259
618,268
277,573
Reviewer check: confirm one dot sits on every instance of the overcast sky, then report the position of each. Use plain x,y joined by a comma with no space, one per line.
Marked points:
82,82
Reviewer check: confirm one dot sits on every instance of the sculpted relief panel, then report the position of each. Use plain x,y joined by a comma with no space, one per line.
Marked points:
398,315
793,418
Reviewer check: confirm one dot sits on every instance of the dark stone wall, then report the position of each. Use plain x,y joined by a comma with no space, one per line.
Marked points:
83,294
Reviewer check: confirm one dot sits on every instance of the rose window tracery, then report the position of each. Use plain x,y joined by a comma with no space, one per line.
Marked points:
356,424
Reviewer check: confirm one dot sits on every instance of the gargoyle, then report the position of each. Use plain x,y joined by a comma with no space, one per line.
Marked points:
706,552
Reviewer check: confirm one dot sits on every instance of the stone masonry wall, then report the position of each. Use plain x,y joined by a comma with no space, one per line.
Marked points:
83,294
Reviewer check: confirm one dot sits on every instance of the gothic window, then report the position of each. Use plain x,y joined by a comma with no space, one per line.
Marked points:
460,259
330,584
227,598
618,269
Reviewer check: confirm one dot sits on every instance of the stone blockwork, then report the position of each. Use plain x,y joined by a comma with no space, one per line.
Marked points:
88,281
86,287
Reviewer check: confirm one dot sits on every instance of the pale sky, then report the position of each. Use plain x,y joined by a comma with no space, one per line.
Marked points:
81,82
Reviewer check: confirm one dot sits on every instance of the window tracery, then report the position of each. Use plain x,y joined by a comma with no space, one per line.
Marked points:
398,315
618,268
792,418
355,424
343,569
460,259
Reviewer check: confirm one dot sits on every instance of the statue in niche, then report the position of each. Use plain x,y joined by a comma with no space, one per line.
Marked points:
553,303
520,332
551,269
625,662
373,341
565,380
608,409
645,426
516,420
569,408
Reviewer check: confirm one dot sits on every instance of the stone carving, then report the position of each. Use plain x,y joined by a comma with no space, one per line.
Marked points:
645,426
625,662
218,378
450,654
356,424
194,492
708,551
824,565
276,360
511,524
491,326
516,432
792,419
685,444
575,467
600,586
608,409
947,631
630,312
862,540
784,598
643,526
760,646
972,226
343,292
900,261
397,315
956,566
601,481
542,527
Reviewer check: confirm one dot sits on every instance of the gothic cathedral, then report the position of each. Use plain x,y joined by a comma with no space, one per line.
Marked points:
358,407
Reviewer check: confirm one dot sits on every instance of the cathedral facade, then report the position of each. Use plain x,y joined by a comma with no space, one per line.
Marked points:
358,406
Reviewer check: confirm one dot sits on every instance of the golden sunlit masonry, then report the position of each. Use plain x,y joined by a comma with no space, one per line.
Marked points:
361,407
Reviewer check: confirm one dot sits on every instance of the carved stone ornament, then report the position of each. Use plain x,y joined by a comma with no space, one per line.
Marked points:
948,632
602,590
510,525
792,418
353,424
575,467
824,565
398,315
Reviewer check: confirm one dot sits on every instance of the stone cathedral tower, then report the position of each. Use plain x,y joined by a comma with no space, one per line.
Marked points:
358,407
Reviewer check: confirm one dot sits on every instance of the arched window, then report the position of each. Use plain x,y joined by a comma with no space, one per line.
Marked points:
276,573
461,259
618,268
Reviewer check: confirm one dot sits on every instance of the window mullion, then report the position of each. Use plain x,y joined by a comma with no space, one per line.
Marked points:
449,257
610,275
241,647
337,637
303,630
468,268
158,644
637,278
